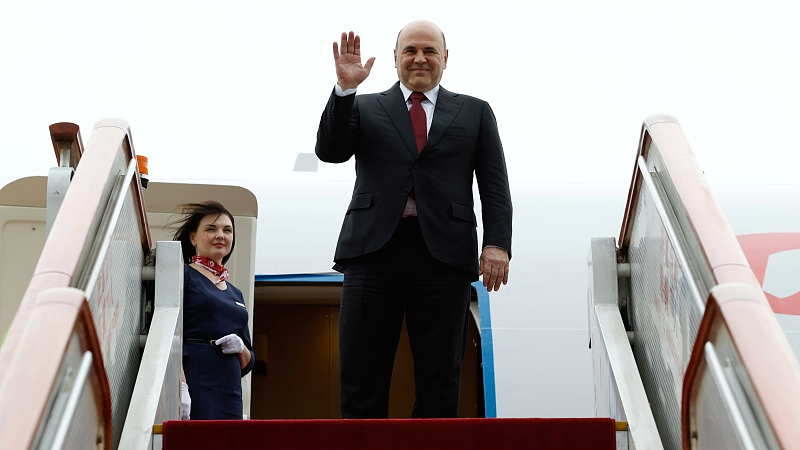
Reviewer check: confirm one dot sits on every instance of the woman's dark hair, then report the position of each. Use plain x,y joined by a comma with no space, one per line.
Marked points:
193,213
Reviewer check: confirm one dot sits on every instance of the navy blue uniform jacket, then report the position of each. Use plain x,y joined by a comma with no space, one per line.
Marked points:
214,378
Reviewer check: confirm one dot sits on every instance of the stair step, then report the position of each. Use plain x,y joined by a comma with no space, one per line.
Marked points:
429,434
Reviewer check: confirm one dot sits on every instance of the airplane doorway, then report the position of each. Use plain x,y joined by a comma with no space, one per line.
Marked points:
295,337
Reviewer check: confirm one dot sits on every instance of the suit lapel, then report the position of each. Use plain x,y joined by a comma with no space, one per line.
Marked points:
394,104
447,107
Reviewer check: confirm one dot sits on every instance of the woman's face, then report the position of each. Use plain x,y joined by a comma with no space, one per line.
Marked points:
214,237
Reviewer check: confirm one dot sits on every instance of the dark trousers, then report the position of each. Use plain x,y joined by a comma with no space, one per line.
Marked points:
379,288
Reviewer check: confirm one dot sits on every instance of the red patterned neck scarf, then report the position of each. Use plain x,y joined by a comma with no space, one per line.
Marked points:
213,267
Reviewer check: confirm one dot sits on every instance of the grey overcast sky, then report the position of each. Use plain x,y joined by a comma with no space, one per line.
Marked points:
234,90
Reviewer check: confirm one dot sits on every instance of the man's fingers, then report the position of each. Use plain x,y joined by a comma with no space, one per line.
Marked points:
495,273
489,275
351,43
368,65
501,276
492,281
485,270
495,281
494,268
487,281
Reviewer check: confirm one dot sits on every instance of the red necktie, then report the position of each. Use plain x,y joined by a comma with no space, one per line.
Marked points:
419,120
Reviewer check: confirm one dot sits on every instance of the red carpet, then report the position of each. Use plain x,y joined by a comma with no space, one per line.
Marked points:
429,434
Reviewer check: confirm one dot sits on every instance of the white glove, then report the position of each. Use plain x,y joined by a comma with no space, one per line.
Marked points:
186,401
231,344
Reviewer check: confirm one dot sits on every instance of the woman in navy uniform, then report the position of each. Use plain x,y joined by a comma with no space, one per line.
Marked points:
217,349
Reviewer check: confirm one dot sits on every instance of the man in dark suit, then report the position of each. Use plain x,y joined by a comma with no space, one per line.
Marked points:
408,244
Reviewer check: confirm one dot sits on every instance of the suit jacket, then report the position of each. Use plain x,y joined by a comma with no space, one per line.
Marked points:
463,140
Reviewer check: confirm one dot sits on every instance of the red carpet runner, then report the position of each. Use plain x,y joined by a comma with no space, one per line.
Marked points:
431,434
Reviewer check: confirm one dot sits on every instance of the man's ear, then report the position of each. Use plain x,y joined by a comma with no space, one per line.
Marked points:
446,51
395,58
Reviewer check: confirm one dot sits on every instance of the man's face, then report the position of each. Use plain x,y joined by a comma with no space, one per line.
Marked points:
420,56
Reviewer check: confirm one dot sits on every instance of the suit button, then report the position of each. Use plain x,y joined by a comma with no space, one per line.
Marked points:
416,165
406,191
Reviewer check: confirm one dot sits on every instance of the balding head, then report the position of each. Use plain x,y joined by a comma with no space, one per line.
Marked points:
420,55
423,23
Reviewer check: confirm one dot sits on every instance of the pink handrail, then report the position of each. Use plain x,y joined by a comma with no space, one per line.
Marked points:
64,254
31,372
756,334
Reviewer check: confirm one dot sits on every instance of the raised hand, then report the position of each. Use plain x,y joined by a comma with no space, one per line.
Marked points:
349,71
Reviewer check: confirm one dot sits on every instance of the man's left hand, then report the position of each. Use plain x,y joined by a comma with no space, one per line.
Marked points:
494,268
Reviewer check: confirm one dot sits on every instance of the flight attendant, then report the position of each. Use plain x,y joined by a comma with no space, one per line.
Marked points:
217,349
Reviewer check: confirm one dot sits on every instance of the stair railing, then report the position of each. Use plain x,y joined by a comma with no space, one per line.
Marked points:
98,243
742,385
659,280
618,387
54,391
156,395
709,350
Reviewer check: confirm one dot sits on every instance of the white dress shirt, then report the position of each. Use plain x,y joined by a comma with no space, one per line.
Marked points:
429,104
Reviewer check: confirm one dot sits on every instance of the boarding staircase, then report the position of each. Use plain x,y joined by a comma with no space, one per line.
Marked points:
71,364
92,357
686,348
687,352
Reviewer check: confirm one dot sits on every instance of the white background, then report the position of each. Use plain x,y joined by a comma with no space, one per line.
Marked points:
234,90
